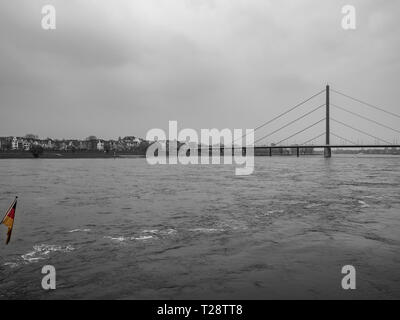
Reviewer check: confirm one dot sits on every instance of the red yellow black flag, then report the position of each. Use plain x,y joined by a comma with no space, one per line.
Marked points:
8,219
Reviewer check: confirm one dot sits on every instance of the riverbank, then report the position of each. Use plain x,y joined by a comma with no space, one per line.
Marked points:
67,155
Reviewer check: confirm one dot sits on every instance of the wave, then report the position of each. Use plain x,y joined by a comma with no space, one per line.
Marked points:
206,230
80,230
151,231
160,232
116,238
142,238
363,204
122,238
314,205
39,252
11,264
274,211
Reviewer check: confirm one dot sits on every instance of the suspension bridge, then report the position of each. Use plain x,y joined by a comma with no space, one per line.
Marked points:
327,119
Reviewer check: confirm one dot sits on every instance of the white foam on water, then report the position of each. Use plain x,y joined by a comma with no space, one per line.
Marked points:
206,230
11,264
150,231
239,228
170,231
41,252
30,257
162,232
363,204
275,211
80,230
122,238
142,238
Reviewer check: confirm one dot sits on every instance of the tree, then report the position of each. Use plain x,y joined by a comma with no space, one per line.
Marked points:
142,147
31,136
36,151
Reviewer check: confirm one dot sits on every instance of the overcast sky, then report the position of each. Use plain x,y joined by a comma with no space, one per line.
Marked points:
116,68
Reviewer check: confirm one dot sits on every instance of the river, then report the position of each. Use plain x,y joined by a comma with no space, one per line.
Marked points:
123,229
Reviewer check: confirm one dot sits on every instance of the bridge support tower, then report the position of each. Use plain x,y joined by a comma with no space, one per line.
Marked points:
327,149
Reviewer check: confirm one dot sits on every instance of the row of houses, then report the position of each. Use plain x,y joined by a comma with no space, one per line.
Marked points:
93,144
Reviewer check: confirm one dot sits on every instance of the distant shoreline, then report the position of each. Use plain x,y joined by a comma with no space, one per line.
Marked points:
69,155
126,154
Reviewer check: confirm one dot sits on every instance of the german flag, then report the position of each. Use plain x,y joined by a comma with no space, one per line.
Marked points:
8,219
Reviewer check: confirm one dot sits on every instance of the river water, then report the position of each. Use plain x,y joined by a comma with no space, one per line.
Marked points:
122,229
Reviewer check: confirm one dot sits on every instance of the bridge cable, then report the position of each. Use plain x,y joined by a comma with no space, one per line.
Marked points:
314,124
337,136
367,104
291,122
320,135
284,113
365,118
346,125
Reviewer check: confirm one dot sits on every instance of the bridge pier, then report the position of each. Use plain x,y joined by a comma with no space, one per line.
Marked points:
298,151
327,152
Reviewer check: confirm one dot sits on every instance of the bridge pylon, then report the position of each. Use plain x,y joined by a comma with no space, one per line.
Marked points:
327,149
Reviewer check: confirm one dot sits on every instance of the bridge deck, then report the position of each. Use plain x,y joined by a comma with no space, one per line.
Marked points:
333,146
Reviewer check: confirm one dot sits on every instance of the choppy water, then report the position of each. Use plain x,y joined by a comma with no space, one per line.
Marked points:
124,229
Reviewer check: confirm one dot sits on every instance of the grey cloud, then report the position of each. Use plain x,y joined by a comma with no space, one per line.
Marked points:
124,67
